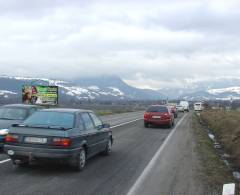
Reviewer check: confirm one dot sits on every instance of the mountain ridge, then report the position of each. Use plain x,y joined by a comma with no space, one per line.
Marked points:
97,88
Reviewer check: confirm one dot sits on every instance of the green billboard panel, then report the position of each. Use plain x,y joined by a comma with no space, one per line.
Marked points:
40,95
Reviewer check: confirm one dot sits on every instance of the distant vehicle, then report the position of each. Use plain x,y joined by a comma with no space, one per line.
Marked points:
174,110
158,115
68,135
180,108
185,104
11,114
198,106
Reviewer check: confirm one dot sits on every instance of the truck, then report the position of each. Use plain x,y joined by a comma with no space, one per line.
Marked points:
198,106
185,105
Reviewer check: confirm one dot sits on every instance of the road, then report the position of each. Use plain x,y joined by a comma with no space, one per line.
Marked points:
134,148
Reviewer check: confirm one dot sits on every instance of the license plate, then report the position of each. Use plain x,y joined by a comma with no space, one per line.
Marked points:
37,140
156,116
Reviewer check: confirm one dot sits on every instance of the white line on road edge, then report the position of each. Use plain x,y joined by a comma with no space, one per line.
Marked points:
6,160
125,123
134,189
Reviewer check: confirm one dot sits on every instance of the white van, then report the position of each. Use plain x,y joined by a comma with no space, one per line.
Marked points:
198,106
185,104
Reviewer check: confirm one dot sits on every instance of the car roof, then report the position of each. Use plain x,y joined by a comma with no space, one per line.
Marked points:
160,105
69,110
20,106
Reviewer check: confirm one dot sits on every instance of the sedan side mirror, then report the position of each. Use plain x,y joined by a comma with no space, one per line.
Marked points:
106,125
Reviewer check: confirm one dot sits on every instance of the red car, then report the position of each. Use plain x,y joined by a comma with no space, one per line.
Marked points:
158,115
174,110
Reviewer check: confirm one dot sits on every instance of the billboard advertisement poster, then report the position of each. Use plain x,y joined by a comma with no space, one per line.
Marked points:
40,95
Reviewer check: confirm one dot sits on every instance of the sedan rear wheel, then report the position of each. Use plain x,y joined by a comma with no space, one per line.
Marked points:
146,124
80,161
170,124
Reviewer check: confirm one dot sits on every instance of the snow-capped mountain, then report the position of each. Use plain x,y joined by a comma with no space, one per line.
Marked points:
229,93
216,89
98,88
233,90
114,88
5,93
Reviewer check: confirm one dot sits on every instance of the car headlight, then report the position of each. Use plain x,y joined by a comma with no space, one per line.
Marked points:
4,131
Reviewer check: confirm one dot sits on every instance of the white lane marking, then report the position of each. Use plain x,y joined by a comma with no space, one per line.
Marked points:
6,160
134,189
126,123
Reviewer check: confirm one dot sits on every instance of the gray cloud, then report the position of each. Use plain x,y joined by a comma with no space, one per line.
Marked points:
150,44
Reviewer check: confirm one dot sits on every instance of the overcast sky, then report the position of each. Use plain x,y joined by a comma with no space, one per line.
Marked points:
149,43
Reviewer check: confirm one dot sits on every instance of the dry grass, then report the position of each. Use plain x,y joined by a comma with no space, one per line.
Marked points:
212,171
226,127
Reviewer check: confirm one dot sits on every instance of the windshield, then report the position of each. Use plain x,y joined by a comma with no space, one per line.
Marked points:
161,109
13,113
50,119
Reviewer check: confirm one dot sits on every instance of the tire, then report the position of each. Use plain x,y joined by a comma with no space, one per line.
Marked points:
108,149
23,164
20,163
146,124
80,160
170,125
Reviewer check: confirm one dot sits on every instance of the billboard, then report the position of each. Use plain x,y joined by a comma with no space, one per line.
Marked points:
40,95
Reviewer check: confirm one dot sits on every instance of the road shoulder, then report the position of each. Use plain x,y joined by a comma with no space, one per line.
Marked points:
175,169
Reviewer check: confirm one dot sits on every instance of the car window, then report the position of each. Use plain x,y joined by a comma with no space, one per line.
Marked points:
46,119
80,125
13,113
32,110
97,122
87,121
161,109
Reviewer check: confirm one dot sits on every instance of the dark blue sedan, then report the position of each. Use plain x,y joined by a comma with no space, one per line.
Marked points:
69,135
11,114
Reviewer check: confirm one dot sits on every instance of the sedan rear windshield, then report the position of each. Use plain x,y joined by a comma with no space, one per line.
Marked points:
161,109
51,120
13,113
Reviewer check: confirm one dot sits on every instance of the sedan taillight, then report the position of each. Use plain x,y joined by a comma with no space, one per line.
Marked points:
166,115
146,115
65,142
11,138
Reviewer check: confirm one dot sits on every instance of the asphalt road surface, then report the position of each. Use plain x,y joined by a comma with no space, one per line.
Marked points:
134,148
